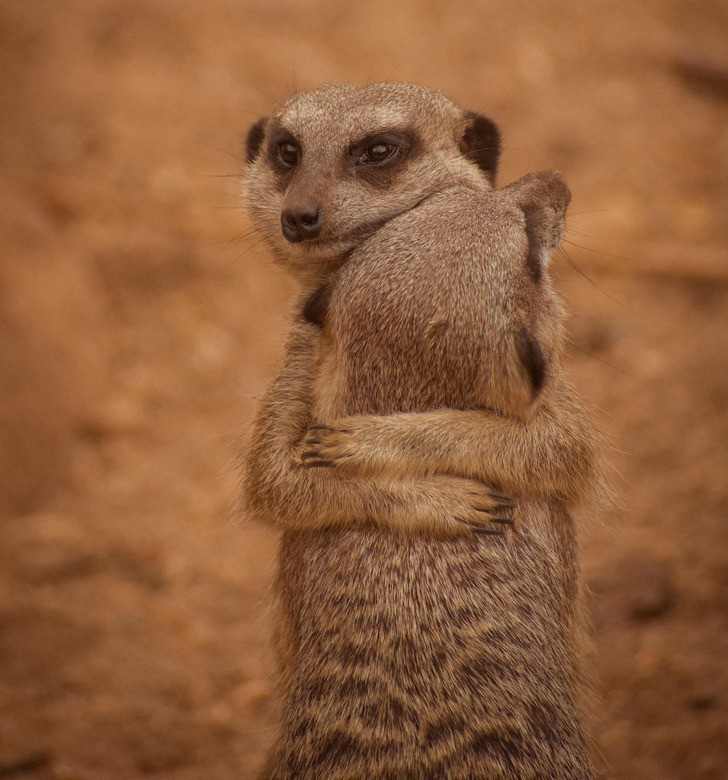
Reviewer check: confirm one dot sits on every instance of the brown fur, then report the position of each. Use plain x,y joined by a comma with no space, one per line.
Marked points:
412,647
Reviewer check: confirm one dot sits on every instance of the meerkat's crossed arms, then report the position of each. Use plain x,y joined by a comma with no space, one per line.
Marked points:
545,455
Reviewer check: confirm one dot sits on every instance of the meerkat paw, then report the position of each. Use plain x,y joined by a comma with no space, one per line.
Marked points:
439,504
451,506
485,510
355,444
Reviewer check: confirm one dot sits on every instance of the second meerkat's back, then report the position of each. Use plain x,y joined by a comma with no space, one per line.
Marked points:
440,309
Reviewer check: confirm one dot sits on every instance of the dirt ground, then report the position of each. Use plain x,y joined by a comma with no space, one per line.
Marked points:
140,320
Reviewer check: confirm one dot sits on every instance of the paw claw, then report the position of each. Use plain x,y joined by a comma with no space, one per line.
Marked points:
501,513
487,530
479,526
317,464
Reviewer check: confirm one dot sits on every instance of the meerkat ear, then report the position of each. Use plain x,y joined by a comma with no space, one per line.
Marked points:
481,143
254,139
543,197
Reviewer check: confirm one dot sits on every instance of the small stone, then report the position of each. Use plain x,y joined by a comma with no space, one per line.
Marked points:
651,593
26,763
51,549
253,694
595,337
115,417
703,698
638,587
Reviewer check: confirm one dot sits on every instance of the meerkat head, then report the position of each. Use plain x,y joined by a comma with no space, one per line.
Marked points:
329,167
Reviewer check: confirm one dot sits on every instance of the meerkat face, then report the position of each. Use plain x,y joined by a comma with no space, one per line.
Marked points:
331,166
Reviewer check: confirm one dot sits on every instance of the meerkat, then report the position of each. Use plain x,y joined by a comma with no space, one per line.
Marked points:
420,448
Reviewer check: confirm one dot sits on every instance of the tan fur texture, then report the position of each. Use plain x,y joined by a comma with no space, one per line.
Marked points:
412,645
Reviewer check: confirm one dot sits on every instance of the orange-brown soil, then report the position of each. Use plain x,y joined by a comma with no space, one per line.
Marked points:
140,320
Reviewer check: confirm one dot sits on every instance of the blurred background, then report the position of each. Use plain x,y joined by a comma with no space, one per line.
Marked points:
140,320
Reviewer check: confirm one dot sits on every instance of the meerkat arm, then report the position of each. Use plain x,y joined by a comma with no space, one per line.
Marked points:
551,453
281,490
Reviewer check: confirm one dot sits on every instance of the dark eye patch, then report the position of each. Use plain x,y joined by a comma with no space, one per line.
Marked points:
281,147
376,156
378,153
289,153
403,140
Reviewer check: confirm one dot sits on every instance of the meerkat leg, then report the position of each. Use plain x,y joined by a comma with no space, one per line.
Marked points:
550,453
280,489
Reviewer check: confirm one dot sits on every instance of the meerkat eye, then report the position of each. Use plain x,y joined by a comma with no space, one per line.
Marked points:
288,152
377,153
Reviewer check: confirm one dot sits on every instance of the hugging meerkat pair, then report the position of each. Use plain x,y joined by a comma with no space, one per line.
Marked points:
420,450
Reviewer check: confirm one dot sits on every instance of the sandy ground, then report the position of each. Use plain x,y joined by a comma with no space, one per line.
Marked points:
140,320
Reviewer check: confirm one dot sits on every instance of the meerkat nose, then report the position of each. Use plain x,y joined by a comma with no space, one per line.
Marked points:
301,223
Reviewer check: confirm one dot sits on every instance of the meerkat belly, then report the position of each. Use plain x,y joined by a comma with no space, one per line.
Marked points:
397,638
